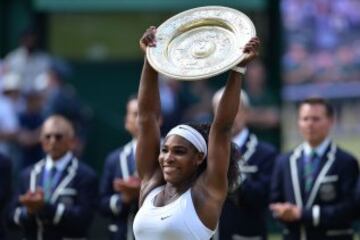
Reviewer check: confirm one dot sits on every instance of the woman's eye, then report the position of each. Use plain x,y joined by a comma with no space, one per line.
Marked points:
179,151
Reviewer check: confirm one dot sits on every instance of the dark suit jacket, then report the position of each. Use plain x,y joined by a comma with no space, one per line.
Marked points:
244,212
327,211
71,208
119,164
5,190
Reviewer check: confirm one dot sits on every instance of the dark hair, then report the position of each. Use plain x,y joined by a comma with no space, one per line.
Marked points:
319,101
233,171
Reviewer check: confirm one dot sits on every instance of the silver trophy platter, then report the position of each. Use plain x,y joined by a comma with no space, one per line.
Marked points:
200,42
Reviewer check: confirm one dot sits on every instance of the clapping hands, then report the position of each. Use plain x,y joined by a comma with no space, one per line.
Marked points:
33,201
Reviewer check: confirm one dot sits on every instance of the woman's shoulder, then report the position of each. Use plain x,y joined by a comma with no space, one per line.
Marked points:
148,199
154,185
207,205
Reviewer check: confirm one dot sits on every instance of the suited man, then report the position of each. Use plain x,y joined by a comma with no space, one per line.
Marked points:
119,188
5,190
57,196
244,212
312,185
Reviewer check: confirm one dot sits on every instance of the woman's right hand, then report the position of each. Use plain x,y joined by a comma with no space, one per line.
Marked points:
148,39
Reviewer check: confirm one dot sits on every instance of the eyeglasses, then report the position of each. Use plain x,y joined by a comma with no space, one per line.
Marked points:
56,136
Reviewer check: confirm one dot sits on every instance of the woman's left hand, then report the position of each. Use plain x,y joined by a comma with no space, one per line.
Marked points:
251,51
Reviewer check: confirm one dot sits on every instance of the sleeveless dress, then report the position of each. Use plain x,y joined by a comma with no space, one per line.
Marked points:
177,220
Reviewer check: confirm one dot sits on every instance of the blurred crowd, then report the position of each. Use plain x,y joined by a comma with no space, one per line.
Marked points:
33,86
322,40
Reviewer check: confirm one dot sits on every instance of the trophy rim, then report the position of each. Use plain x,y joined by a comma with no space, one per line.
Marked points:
150,51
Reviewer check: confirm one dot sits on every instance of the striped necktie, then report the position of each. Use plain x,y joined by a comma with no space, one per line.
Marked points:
309,170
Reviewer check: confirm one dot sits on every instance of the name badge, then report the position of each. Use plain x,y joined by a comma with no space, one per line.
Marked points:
327,192
67,200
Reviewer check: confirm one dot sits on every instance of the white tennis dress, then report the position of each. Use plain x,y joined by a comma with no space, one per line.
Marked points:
177,220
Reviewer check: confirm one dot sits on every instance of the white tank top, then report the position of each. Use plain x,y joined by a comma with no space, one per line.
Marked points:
177,220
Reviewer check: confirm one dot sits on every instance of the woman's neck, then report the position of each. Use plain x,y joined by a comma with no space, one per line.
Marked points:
171,192
183,186
172,189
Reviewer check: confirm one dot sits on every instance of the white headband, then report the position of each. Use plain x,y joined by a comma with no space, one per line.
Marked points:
192,135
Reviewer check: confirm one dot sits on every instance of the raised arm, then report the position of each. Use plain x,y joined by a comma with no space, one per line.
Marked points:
148,146
219,143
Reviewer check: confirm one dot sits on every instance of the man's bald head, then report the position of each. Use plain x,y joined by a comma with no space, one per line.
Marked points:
244,99
57,136
60,123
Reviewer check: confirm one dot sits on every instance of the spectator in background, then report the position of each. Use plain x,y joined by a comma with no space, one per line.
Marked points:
312,186
60,98
24,142
263,117
27,60
11,87
120,186
200,108
244,211
263,113
346,63
57,196
325,69
8,124
5,191
173,102
315,30
30,122
181,102
297,67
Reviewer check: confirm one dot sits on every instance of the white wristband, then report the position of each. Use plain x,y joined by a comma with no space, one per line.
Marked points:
241,70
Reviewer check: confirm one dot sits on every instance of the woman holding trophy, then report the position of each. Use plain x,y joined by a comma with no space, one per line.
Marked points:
185,180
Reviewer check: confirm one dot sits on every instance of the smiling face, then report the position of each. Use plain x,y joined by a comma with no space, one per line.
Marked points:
179,160
314,123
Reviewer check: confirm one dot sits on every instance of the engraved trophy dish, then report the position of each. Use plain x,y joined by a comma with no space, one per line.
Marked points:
200,43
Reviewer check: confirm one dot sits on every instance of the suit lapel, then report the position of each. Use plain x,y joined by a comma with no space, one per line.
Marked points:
300,165
67,176
249,147
123,158
36,175
247,151
295,176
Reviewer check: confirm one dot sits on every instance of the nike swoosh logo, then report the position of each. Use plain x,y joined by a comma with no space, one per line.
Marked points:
163,218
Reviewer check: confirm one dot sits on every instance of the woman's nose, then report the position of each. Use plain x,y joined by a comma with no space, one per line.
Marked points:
169,157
